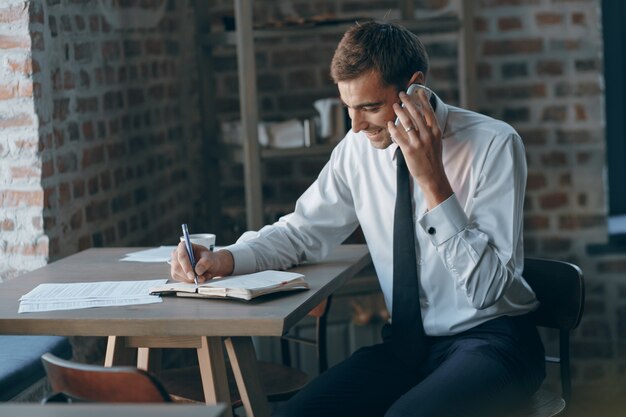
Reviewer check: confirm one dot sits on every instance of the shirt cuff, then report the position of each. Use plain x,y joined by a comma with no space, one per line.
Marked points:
444,221
243,256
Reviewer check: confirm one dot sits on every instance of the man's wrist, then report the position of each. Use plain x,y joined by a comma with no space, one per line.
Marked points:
226,262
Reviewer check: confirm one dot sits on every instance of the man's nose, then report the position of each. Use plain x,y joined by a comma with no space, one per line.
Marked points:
358,121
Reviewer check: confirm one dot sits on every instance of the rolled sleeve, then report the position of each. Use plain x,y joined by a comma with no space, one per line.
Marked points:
444,221
243,256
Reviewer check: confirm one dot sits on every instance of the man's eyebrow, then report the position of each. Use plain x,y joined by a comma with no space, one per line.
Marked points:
362,105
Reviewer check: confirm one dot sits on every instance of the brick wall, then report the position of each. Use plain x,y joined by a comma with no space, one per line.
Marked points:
539,68
23,244
99,127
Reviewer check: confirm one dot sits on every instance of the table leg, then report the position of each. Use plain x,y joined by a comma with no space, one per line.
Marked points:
244,363
213,372
118,353
149,359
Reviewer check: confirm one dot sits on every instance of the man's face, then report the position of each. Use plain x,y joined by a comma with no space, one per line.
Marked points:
369,101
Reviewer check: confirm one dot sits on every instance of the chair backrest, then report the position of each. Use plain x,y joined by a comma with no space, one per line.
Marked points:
560,289
92,383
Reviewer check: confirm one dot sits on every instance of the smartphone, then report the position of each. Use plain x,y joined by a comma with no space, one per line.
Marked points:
412,91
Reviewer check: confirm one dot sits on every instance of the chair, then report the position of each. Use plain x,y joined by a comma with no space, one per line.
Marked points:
279,381
560,289
76,382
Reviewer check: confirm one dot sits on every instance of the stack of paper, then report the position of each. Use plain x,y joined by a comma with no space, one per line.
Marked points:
48,297
160,254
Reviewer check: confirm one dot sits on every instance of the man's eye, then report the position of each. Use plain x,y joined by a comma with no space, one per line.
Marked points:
371,109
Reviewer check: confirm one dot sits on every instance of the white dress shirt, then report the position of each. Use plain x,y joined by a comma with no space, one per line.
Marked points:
469,248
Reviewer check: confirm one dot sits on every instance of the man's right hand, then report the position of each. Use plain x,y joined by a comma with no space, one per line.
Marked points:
209,264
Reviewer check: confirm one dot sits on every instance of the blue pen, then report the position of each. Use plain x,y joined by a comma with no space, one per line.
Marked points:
192,259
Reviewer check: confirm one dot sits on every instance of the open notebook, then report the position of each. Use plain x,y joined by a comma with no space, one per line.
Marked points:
244,287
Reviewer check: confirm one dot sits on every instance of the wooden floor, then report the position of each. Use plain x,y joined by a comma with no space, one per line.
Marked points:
607,400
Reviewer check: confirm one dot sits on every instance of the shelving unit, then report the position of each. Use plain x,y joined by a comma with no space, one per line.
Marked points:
243,38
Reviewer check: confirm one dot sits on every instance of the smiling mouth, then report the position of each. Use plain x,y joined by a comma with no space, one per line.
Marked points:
373,132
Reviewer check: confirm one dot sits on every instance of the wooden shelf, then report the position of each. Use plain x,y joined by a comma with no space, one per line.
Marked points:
437,25
316,150
272,153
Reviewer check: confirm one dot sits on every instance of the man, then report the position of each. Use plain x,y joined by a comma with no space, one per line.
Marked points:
459,344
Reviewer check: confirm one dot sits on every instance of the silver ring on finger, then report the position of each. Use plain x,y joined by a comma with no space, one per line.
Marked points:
408,129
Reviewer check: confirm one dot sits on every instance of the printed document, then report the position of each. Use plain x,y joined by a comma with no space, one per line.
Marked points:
49,297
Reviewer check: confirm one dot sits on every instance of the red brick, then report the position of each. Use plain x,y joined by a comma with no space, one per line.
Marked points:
36,13
80,22
14,42
553,200
536,181
37,222
534,136
18,198
88,130
565,44
68,81
93,156
18,120
513,46
66,162
79,188
49,197
554,158
580,112
613,266
49,222
25,172
579,18
506,3
556,113
61,109
536,222
14,14
572,221
544,19
575,137
8,91
37,41
34,249
64,194
509,23
7,225
76,221
94,23
481,24
21,66
550,67
513,92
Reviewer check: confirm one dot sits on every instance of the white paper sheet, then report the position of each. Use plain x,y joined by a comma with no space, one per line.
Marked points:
160,254
49,297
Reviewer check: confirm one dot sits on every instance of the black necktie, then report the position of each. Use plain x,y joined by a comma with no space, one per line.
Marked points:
406,319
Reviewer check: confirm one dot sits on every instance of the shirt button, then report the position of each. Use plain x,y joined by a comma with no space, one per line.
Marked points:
431,231
420,261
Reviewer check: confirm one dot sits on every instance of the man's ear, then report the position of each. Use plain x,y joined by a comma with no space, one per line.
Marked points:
418,77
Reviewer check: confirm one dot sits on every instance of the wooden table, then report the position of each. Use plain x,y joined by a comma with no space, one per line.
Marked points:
108,410
206,325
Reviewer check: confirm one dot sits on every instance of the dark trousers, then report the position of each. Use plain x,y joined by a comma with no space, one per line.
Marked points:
493,367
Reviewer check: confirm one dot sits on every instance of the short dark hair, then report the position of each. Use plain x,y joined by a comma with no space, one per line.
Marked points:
391,49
